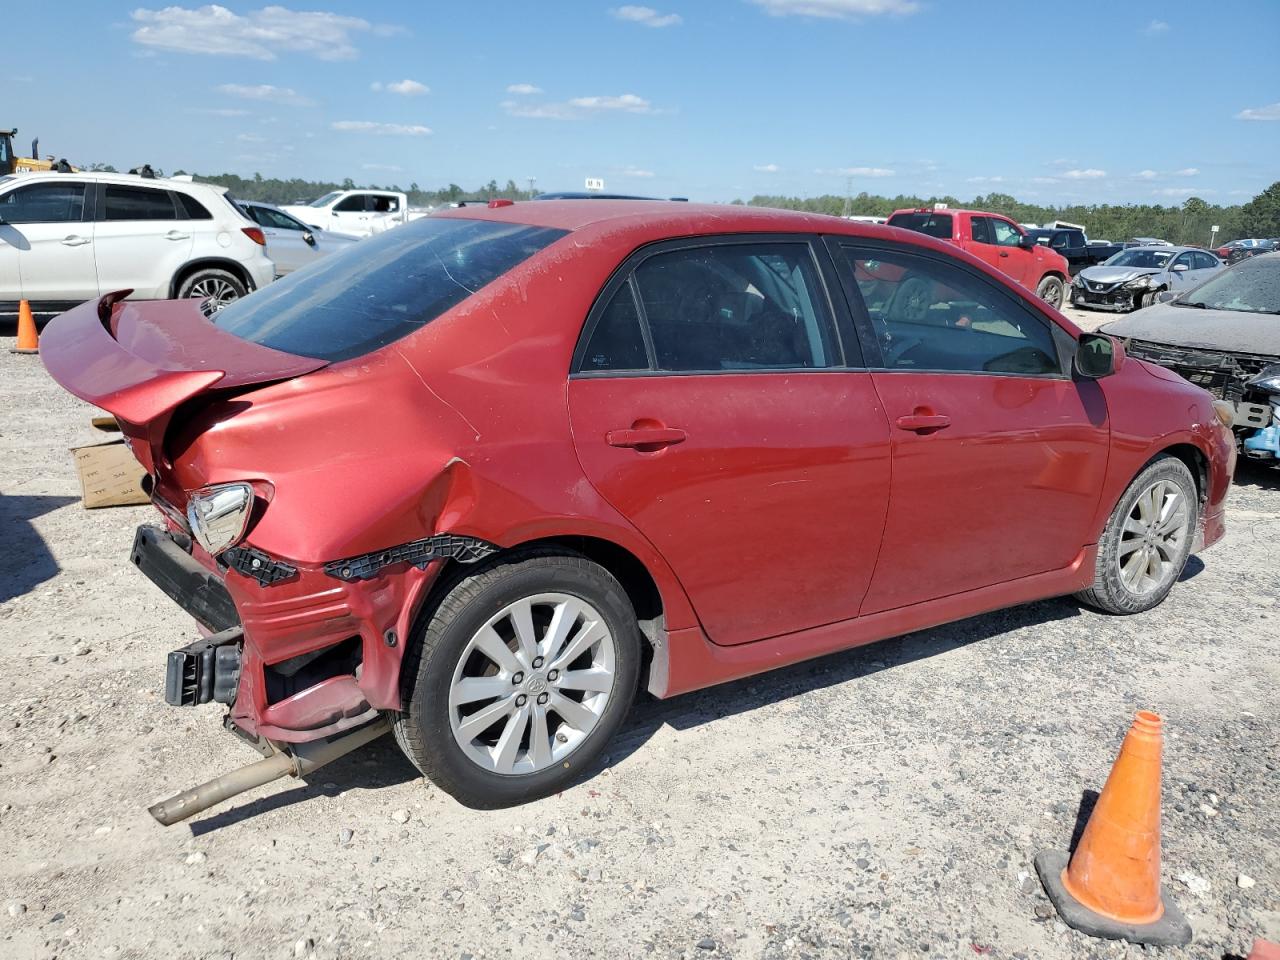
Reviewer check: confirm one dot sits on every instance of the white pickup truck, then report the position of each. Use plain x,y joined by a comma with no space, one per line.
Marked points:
356,213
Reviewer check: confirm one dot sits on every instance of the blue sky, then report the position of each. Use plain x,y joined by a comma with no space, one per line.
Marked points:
1085,101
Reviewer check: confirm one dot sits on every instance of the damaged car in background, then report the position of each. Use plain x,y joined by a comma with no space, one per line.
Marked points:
1223,336
1135,277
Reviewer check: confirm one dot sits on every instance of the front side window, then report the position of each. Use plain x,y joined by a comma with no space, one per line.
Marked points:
931,315
726,307
384,288
352,204
137,203
1005,233
59,202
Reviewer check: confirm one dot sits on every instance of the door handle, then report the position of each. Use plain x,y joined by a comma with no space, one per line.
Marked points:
175,235
921,422
645,437
1004,253
74,241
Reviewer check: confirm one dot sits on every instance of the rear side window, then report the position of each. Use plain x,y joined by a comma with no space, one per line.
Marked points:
981,230
930,224
617,343
193,209
748,306
383,288
43,203
138,203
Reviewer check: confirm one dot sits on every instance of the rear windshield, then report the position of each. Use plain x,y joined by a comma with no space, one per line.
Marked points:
383,288
932,224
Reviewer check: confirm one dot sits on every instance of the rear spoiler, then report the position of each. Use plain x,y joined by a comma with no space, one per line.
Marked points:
140,361
88,361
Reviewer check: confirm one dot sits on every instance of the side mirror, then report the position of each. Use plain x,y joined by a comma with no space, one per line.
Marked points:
1026,242
310,238
1180,268
1095,356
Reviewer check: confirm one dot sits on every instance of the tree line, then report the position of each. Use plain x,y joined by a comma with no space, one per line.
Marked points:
1189,222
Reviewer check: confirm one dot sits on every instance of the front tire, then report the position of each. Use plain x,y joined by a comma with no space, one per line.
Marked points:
1147,540
213,285
524,672
1051,291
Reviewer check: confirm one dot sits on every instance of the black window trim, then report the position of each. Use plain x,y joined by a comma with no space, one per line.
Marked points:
86,209
100,202
844,345
840,243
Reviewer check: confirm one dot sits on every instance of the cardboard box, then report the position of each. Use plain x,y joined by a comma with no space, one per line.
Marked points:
109,475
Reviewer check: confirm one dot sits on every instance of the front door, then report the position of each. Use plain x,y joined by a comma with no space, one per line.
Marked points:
46,244
1011,258
712,407
998,454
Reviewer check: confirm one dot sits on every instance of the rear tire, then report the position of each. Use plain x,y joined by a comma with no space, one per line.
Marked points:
1051,291
468,660
217,286
1147,541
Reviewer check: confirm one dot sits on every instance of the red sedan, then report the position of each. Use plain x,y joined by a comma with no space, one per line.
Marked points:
492,472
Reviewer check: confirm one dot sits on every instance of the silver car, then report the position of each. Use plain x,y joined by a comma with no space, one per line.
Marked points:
1135,277
290,242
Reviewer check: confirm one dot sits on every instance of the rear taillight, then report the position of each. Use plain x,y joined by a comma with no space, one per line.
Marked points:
255,234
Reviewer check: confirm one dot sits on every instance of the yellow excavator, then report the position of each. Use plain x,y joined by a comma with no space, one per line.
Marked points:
10,162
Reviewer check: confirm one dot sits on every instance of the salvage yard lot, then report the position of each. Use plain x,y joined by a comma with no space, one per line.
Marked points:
882,802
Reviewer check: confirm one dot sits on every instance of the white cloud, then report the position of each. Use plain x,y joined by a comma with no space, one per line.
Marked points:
637,172
765,168
1092,173
628,102
1156,27
258,34
985,180
1146,174
1185,191
381,129
836,9
648,16
406,88
250,138
523,89
266,92
859,172
219,111
1270,112
1187,172
579,107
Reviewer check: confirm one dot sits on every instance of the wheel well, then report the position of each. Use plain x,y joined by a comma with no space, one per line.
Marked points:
189,268
1196,462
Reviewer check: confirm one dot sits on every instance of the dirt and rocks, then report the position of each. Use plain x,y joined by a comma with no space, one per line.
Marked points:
885,802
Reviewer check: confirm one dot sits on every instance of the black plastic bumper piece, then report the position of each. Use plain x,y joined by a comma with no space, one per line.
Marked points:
419,553
183,579
208,669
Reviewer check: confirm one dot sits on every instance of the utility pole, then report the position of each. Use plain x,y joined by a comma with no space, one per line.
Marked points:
532,181
848,196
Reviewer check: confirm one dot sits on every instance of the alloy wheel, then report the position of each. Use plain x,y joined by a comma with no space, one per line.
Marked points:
532,684
1151,541
215,292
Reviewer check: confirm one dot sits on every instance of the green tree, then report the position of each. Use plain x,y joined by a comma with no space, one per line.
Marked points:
1260,217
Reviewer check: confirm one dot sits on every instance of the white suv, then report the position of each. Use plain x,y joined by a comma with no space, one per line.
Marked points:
70,237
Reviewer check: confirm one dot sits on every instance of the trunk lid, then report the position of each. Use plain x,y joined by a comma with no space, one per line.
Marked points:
141,360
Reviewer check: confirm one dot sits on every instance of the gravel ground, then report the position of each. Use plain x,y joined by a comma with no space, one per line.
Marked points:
885,802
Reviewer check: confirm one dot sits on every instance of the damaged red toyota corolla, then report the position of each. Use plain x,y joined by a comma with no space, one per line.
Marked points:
488,474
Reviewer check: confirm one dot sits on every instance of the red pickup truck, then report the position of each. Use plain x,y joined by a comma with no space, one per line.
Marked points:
998,241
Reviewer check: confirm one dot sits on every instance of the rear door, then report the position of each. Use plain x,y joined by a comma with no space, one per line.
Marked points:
46,243
141,239
712,406
998,455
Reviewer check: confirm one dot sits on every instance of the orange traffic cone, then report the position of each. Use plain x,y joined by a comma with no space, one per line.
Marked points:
1111,888
28,339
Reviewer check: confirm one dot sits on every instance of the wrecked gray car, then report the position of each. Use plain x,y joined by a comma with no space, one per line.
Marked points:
1224,336
1135,278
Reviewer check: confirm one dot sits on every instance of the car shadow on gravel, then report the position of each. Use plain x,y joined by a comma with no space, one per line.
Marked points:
380,764
751,693
26,561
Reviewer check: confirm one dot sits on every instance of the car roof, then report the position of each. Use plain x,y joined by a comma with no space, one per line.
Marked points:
126,179
950,210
